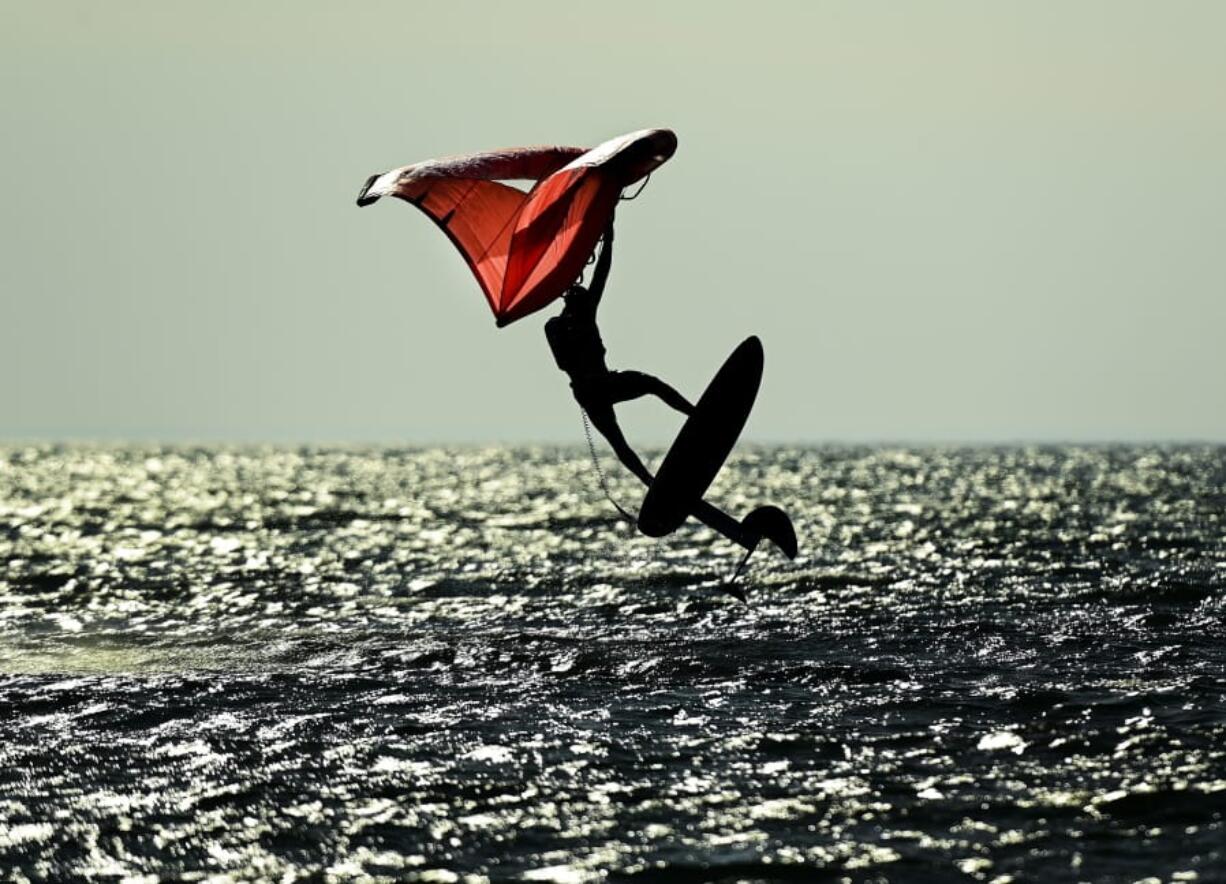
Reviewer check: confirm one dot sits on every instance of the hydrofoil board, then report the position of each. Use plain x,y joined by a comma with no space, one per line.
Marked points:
704,442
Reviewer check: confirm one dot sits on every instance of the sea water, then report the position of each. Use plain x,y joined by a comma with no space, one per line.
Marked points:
996,664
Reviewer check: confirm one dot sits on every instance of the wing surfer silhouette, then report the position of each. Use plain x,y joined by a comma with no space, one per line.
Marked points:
579,351
524,247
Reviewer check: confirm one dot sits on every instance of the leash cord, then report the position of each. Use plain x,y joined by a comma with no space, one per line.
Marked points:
604,483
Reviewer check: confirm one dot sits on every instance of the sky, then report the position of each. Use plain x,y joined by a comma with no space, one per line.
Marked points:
947,222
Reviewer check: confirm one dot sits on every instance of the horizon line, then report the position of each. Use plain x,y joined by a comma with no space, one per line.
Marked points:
84,441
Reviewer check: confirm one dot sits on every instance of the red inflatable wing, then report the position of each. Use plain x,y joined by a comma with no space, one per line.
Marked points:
473,209
525,248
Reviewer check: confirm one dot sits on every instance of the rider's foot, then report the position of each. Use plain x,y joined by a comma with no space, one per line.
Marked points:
773,524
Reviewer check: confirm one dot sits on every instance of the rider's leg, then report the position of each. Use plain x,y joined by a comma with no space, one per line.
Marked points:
624,385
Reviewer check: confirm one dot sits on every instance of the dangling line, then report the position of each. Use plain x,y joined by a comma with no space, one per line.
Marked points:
591,259
604,485
642,187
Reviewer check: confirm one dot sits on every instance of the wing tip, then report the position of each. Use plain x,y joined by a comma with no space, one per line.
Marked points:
364,196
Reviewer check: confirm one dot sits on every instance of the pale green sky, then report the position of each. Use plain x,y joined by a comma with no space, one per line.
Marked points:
946,220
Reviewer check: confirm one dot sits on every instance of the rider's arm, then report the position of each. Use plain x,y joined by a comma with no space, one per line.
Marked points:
601,274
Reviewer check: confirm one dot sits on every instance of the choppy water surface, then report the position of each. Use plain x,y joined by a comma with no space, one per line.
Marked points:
454,665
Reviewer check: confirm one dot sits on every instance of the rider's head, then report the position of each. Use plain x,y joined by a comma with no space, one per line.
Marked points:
574,293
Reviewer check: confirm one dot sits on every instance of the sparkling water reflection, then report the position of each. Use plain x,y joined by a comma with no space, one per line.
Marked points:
447,665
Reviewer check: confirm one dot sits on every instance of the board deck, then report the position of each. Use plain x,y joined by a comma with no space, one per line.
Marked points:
704,443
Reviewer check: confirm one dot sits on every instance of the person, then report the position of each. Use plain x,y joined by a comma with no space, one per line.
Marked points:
579,351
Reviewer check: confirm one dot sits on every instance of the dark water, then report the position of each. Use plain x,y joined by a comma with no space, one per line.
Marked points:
988,665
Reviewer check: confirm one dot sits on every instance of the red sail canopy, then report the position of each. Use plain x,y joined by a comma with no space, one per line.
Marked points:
525,248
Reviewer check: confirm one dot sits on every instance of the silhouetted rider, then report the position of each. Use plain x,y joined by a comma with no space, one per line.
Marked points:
579,351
